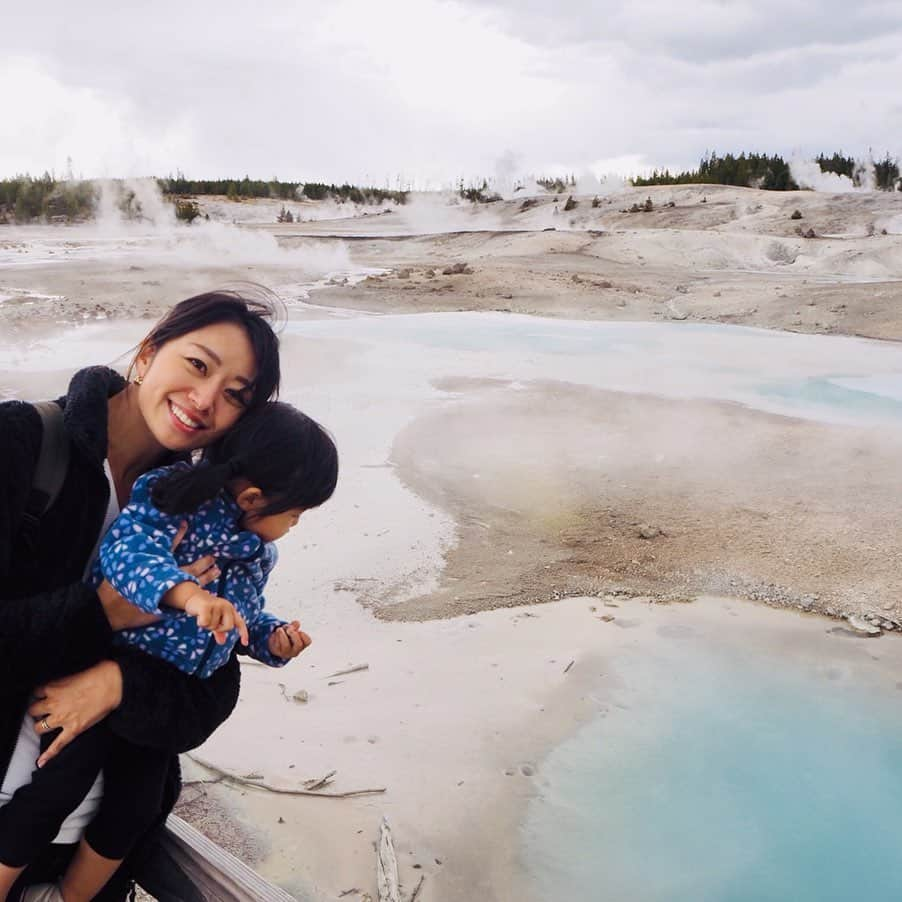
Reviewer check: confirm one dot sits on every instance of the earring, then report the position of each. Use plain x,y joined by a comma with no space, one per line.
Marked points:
139,380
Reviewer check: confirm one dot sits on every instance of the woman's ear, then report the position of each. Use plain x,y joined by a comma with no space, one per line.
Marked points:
250,499
143,358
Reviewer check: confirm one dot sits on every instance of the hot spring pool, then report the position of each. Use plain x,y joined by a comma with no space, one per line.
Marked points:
718,773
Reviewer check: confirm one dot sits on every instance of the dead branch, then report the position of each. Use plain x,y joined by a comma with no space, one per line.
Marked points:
416,892
313,785
356,669
259,784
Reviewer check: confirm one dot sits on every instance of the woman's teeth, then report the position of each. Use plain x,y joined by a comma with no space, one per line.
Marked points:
182,417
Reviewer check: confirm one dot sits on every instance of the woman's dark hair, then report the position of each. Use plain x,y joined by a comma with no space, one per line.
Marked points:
278,449
256,309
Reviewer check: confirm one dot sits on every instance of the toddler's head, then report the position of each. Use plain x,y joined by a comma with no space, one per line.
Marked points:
277,463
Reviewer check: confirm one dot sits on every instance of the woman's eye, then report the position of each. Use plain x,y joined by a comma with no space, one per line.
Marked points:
198,364
236,396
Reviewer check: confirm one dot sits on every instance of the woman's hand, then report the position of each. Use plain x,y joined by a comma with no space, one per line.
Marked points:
75,703
122,614
288,641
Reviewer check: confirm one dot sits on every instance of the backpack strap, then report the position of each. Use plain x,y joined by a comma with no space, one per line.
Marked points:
51,469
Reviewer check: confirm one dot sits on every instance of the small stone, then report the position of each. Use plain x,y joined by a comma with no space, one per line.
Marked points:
645,531
607,618
301,696
457,269
860,625
404,274
528,770
281,820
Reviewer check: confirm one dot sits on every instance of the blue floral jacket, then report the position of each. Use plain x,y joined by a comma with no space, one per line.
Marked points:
137,559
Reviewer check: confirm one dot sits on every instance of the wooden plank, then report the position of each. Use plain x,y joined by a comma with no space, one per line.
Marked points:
387,867
220,876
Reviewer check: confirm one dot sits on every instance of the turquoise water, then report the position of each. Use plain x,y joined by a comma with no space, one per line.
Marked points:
815,376
832,394
726,780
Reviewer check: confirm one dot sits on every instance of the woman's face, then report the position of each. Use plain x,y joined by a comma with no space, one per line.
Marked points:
195,387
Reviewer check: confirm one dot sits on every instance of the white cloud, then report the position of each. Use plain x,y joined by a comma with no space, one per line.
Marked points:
46,122
432,90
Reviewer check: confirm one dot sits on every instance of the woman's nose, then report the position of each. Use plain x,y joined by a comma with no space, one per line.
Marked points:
202,397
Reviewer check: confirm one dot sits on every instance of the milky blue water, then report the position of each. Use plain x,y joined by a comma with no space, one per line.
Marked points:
815,376
725,778
838,393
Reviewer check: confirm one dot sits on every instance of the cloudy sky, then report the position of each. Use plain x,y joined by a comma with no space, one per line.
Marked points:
427,91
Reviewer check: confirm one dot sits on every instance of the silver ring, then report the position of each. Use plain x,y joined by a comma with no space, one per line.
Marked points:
45,727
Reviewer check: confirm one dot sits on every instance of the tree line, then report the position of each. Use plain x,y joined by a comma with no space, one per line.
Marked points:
241,189
772,173
25,198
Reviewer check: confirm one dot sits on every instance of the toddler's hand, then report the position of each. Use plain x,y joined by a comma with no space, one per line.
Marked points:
288,641
216,615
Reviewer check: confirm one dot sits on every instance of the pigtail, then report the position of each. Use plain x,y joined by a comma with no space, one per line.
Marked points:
288,456
184,491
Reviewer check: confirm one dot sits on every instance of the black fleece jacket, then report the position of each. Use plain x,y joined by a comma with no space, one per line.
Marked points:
51,623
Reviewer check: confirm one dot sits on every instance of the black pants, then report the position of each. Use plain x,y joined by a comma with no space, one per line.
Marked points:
53,861
132,802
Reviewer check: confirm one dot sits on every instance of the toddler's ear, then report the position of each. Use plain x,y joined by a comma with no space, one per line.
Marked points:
250,499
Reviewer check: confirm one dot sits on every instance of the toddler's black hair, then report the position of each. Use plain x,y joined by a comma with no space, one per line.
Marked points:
278,449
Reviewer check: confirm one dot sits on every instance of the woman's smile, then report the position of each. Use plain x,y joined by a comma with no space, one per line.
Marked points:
182,419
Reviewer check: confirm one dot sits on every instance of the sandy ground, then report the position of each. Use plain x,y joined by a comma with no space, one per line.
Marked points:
452,718
719,254
598,491
605,501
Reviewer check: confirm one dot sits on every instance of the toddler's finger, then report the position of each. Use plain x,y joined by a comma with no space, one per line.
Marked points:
241,626
226,615
282,644
295,641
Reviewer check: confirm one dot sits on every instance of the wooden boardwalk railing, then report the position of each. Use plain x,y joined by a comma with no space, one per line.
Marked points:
219,876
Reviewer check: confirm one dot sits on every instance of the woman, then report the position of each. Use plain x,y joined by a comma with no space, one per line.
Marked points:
211,358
